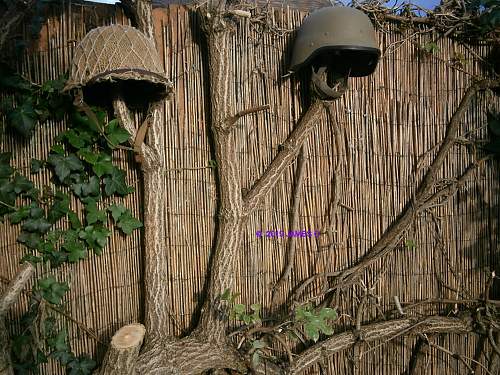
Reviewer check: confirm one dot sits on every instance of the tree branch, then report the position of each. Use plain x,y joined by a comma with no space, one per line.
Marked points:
15,287
8,298
141,11
392,236
284,158
386,330
12,18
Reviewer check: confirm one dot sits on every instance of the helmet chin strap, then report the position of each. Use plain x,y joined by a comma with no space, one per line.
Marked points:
322,89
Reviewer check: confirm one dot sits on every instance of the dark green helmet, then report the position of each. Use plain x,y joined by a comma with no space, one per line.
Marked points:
343,38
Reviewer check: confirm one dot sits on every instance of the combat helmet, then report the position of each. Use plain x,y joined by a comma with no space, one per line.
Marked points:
342,36
116,53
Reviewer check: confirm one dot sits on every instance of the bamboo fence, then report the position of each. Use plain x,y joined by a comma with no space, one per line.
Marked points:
360,172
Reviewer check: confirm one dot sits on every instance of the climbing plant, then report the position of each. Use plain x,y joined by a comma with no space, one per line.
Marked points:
62,222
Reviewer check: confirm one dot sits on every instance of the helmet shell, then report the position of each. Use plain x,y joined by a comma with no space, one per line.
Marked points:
116,52
343,35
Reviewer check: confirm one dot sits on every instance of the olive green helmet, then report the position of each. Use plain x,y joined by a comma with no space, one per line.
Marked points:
342,36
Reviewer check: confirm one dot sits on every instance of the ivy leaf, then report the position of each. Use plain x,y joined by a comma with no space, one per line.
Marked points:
327,313
5,169
91,188
95,215
21,184
103,165
73,138
258,344
63,356
20,214
52,291
82,365
255,359
36,165
58,149
59,208
127,223
115,183
88,155
96,237
64,165
38,225
23,119
117,210
74,220
75,249
30,240
58,342
115,134
239,308
311,331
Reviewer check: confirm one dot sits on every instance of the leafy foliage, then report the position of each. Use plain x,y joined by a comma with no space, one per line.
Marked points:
81,162
239,311
493,146
315,322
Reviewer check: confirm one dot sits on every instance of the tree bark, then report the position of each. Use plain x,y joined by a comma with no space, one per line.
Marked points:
386,330
8,298
123,352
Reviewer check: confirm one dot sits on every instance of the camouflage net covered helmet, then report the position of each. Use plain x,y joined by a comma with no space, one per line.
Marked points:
343,38
116,52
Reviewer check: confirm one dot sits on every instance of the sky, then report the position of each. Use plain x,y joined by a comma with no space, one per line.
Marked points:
428,4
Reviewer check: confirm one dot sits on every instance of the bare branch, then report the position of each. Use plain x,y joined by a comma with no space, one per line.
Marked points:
386,330
231,121
122,113
12,18
15,287
392,236
284,158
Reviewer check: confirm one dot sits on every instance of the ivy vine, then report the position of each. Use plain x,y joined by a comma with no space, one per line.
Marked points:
60,223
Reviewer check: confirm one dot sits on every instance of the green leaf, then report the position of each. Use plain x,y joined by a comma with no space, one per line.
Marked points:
58,149
82,365
23,119
91,188
311,331
239,308
103,165
115,134
36,165
255,307
21,214
95,215
127,223
58,342
59,208
74,220
63,356
74,138
21,184
327,313
115,183
31,240
64,165
5,169
255,359
96,237
88,155
75,249
38,225
258,344
118,209
52,291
